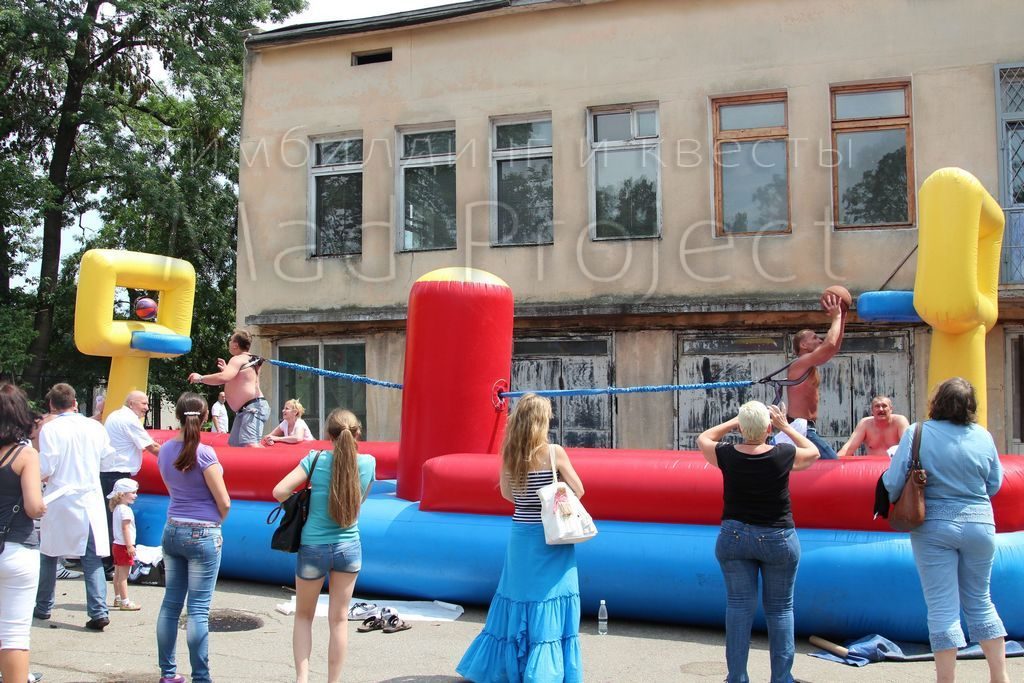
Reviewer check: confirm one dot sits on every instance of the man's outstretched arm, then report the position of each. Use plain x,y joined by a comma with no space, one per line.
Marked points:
227,373
830,345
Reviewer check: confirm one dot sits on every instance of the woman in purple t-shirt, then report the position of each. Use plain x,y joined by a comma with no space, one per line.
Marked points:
192,540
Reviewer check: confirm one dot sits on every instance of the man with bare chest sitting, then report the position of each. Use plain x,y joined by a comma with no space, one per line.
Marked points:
240,377
813,351
880,432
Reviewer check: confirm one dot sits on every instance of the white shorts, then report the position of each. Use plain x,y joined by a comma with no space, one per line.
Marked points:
19,578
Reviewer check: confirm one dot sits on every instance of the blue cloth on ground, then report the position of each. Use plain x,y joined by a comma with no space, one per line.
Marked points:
875,648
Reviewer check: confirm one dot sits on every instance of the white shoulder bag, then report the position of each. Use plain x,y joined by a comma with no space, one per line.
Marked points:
563,515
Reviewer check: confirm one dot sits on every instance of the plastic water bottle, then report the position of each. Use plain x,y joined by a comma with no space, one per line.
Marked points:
602,619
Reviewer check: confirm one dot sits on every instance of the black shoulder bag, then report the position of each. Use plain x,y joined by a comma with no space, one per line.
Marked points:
5,461
288,535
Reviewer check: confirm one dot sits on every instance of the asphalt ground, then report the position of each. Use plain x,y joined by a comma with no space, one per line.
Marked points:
65,652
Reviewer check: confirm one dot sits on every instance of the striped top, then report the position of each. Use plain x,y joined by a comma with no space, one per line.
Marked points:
527,501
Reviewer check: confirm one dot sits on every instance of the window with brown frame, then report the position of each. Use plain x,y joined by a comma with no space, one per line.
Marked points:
873,156
751,164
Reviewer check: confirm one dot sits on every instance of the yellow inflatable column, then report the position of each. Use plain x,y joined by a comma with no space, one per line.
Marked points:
131,343
957,285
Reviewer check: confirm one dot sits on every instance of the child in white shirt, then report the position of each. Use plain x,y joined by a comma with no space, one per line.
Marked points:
124,494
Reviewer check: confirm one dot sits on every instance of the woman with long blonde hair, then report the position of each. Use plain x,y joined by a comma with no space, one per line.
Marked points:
341,480
538,579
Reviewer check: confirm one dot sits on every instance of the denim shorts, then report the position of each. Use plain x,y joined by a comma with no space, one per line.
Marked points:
314,561
249,422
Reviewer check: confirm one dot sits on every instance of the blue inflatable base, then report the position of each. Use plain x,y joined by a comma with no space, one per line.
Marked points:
887,307
849,582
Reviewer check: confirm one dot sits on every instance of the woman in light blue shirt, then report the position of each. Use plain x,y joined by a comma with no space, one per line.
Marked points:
340,480
955,546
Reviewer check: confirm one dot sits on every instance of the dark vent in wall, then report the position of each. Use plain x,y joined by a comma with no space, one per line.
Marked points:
371,57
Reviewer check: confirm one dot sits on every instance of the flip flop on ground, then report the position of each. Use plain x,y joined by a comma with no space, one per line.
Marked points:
394,624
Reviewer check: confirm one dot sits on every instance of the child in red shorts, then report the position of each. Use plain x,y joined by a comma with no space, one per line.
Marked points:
124,494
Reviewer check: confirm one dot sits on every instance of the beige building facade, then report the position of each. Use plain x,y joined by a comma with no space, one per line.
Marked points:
667,186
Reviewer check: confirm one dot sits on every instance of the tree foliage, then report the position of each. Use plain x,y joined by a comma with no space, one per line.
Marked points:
87,123
880,197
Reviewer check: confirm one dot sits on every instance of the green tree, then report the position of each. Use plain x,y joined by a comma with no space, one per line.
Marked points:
81,111
880,197
627,209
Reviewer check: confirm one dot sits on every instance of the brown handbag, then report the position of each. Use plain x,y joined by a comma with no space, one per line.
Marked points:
908,512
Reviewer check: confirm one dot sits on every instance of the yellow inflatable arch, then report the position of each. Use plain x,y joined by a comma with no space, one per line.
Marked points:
131,343
957,284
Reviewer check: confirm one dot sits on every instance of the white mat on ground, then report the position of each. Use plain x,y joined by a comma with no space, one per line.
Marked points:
409,610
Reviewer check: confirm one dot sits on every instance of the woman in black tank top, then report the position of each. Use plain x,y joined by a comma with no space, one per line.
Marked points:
21,501
757,535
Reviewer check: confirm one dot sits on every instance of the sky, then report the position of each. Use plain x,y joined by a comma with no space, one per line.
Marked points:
331,10
317,10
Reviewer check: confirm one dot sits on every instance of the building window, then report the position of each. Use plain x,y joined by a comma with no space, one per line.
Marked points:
320,395
873,169
426,182
521,182
625,145
1010,108
751,164
1014,368
336,195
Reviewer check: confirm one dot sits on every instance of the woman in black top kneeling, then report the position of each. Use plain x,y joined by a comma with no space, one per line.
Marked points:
757,535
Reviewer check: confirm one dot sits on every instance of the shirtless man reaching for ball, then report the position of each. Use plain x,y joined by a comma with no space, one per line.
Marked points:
240,377
812,351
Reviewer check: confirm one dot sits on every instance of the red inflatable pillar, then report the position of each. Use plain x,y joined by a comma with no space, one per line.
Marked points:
458,348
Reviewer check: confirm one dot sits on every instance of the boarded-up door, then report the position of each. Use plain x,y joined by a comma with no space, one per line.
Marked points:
869,364
578,421
716,357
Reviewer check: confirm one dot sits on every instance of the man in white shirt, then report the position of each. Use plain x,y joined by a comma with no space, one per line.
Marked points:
219,413
71,447
130,440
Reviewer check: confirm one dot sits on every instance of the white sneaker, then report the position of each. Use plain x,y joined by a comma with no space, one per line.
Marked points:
362,610
32,677
65,573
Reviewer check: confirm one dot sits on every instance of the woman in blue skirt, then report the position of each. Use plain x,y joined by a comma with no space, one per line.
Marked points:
532,628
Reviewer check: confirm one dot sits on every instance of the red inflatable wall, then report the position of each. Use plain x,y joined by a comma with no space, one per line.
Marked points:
251,473
682,488
458,345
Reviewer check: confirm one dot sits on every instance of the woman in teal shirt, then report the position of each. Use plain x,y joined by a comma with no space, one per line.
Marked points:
340,480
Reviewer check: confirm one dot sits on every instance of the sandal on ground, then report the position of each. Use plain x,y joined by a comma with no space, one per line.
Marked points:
361,611
374,623
394,624
129,606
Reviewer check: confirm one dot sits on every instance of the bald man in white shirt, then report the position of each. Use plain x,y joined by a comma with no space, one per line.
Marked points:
130,440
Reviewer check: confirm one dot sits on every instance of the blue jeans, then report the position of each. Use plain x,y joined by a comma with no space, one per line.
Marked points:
824,449
954,561
191,563
744,550
95,582
314,561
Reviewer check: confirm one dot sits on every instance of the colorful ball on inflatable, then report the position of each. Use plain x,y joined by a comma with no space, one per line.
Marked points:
845,300
145,308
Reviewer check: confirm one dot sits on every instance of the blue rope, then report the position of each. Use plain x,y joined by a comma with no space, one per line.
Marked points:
645,389
337,375
629,390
